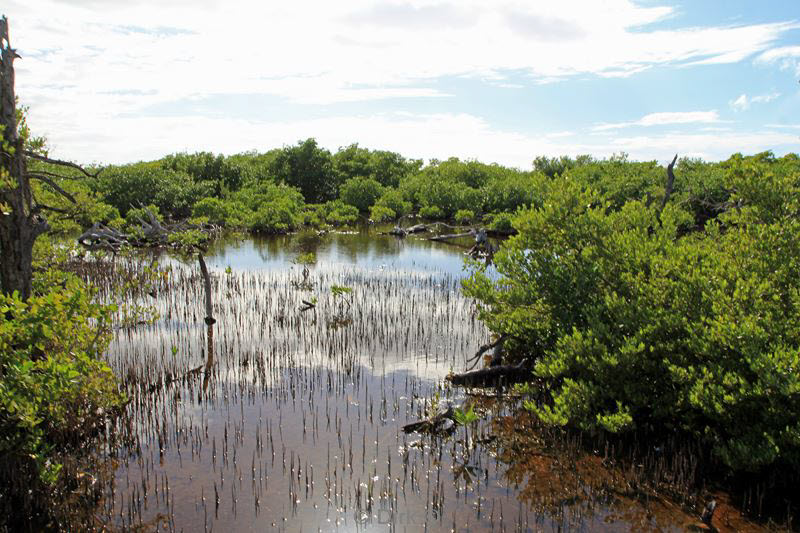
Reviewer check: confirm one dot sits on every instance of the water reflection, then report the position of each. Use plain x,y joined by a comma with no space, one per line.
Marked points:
278,420
362,248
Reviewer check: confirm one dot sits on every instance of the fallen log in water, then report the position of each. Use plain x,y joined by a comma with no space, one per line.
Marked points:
493,376
402,232
451,236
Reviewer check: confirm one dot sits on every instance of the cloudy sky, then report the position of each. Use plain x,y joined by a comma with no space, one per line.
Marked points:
498,81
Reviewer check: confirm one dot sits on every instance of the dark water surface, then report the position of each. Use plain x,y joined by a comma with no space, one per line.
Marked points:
295,424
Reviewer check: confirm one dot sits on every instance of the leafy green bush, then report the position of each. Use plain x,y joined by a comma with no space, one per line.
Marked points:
393,199
214,209
228,213
387,168
134,217
278,216
361,193
512,190
556,166
432,212
131,186
379,213
464,216
338,213
499,221
633,322
55,391
314,215
307,167
220,173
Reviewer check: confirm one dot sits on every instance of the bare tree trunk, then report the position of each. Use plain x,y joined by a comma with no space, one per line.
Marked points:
669,186
20,225
210,320
207,284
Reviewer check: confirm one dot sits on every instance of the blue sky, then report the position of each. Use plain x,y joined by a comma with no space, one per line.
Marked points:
502,81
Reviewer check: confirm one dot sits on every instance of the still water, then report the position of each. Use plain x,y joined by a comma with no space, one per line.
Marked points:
295,421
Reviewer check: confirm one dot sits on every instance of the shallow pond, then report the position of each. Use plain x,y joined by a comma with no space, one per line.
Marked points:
295,422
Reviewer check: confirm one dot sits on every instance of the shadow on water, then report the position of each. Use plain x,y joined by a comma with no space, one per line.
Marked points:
291,420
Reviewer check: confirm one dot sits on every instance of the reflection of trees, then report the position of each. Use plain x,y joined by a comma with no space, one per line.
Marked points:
557,477
387,245
272,247
351,246
307,243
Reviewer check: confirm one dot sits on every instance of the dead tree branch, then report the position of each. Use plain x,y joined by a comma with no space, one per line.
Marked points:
56,187
669,186
207,284
493,376
61,163
485,348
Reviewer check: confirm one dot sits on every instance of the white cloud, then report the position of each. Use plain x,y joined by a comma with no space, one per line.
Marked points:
86,63
709,146
764,98
665,118
787,58
779,53
434,135
235,47
743,103
740,104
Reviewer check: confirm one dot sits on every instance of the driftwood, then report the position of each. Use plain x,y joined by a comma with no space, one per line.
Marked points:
100,237
397,231
493,376
441,422
153,234
307,305
451,236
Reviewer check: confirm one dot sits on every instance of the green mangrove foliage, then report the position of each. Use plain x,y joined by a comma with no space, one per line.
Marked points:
361,193
56,391
318,189
683,319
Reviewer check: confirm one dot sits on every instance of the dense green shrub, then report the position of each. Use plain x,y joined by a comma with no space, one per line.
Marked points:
620,180
215,210
55,392
557,166
464,216
379,213
134,217
132,186
220,173
634,322
338,213
228,213
446,196
277,216
393,199
513,190
432,212
361,193
499,221
307,167
387,168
